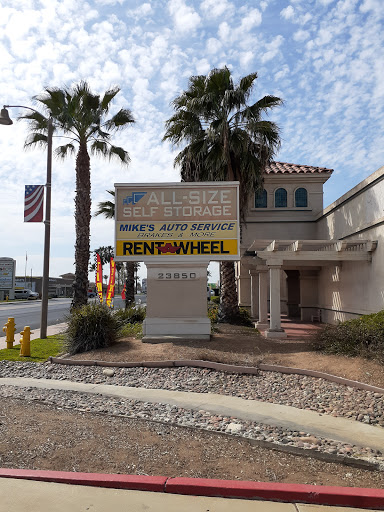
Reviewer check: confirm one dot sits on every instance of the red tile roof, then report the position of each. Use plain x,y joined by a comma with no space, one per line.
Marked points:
285,168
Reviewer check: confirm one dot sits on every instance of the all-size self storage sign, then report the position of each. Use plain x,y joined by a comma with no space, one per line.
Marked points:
177,221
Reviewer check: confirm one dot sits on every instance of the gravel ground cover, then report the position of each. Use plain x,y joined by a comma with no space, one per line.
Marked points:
294,390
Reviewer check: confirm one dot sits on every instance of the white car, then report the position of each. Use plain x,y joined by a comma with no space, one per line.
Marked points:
26,294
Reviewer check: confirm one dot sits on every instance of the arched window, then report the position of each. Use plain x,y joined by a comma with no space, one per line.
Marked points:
261,199
301,198
281,198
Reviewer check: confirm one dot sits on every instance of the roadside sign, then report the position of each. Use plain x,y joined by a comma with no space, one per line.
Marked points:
7,273
177,222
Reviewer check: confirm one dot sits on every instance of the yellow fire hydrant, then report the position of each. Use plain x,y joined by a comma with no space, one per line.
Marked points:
25,342
10,328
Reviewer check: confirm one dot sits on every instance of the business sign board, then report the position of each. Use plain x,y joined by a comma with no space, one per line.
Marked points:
7,273
172,222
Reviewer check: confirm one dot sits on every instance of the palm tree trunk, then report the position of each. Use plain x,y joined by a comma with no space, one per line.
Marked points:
129,284
82,223
229,309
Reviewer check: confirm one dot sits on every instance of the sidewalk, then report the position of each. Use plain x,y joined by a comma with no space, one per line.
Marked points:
51,491
51,330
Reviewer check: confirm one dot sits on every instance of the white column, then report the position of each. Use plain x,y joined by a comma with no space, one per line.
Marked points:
254,293
275,330
263,324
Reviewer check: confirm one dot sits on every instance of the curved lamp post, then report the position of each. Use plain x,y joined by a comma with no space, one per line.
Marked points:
6,120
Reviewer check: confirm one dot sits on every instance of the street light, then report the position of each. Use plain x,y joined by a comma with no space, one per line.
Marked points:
6,120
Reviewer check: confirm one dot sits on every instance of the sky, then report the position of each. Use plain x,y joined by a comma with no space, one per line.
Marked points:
324,58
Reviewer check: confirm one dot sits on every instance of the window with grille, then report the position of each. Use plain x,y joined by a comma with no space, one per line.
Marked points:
281,198
261,199
301,198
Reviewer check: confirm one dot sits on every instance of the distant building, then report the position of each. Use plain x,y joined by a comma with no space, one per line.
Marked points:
57,286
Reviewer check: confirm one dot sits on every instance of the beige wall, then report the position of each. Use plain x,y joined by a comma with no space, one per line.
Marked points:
285,223
345,290
352,289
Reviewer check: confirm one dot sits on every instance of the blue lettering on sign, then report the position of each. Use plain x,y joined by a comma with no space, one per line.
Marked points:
137,227
225,226
134,198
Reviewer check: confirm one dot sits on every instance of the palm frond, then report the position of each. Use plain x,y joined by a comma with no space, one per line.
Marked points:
120,120
63,151
246,83
106,208
99,147
108,97
36,139
120,154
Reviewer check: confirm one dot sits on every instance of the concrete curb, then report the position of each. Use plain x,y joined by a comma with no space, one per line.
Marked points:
296,493
253,370
115,481
288,493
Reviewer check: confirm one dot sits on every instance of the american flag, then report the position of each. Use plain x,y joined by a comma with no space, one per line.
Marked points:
33,203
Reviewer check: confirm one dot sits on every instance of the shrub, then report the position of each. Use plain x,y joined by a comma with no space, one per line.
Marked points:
362,336
131,331
91,327
215,299
243,318
131,315
213,311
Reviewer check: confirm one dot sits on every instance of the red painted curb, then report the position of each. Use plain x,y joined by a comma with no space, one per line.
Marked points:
296,493
287,493
132,482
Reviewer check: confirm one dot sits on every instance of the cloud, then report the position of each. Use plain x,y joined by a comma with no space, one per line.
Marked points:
301,35
185,18
216,8
288,12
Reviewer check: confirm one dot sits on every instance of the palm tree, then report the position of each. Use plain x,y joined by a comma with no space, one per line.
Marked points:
107,208
224,139
80,116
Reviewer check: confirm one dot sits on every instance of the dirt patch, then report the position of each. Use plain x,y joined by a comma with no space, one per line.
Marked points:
244,346
37,436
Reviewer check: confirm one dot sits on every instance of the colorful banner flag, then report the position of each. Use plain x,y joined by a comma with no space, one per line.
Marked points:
33,203
99,278
111,284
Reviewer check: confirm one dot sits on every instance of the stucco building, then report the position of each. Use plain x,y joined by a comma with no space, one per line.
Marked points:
307,262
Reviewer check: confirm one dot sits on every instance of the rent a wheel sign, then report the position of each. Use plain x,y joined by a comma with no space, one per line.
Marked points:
177,221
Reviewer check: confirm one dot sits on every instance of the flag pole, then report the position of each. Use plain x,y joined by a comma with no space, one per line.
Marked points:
25,271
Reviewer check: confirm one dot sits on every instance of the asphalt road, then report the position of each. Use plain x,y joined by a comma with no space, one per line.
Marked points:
28,312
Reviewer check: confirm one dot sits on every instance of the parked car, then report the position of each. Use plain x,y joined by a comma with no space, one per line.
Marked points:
26,294
91,294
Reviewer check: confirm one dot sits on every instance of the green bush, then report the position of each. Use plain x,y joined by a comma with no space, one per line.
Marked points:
213,310
91,327
131,331
243,318
215,299
362,336
131,315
